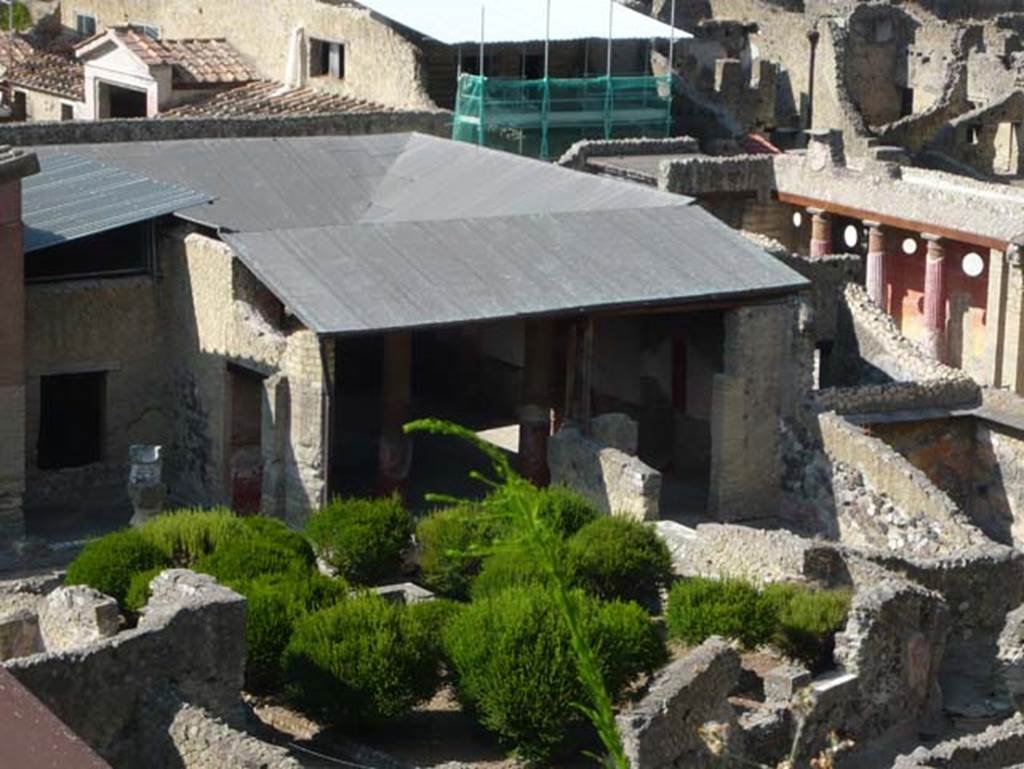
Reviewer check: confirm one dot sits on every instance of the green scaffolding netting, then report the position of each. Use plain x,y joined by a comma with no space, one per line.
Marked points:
544,117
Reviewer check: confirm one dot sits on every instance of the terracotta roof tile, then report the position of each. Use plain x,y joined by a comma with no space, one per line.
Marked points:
50,72
14,50
197,62
266,98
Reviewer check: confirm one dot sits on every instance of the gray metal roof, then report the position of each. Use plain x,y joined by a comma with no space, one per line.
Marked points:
356,234
269,184
73,197
359,278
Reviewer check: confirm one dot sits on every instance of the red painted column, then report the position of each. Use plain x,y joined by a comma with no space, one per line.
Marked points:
12,363
821,232
395,453
535,409
935,297
875,272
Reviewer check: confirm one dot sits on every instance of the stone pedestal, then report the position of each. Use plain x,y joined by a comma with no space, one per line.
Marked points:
145,483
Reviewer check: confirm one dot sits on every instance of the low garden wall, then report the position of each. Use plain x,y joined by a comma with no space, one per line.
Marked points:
190,641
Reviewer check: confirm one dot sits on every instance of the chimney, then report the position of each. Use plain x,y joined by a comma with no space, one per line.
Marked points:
14,165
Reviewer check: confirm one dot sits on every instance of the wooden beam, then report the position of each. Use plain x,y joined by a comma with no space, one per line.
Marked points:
894,221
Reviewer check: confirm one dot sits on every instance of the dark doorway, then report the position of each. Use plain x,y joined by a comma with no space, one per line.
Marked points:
246,455
71,408
117,102
356,414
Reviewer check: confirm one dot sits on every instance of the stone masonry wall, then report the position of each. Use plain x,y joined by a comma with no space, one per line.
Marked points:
190,639
167,129
221,321
937,524
998,747
113,326
746,464
866,333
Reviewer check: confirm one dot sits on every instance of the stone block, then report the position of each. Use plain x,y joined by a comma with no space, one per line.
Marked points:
617,431
662,730
76,616
19,634
782,682
404,592
834,688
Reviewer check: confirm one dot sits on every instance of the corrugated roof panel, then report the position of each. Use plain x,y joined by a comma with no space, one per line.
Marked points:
371,277
73,197
519,21
282,183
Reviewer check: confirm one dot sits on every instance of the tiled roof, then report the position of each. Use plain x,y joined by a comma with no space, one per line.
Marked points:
265,98
50,72
14,50
198,62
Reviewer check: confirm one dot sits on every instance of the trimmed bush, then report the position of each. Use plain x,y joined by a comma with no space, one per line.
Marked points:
614,557
185,536
275,603
364,660
277,531
700,608
138,590
109,563
565,510
253,555
808,623
515,666
509,566
362,538
452,543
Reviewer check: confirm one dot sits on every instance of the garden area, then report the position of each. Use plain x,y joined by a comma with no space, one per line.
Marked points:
548,616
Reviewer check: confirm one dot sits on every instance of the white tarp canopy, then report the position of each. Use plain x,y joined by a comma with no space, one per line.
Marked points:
519,21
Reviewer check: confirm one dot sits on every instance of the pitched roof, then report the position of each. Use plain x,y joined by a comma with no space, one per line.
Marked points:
458,21
266,98
364,233
73,197
14,50
194,62
54,73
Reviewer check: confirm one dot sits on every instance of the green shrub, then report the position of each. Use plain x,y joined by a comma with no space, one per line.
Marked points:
185,536
277,531
253,555
565,510
364,660
138,589
434,617
515,666
109,563
362,538
509,566
275,603
807,624
614,557
700,608
628,642
452,544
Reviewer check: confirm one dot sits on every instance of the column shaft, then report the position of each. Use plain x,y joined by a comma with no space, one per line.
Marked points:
821,232
935,298
875,267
